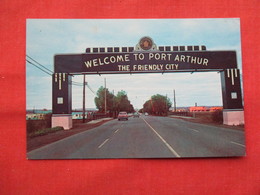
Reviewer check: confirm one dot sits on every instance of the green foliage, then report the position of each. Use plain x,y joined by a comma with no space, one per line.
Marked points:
34,125
122,102
116,103
45,131
100,99
157,105
141,110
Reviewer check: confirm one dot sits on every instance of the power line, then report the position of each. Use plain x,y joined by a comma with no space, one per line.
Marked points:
49,72
77,83
80,84
36,65
39,67
40,64
91,89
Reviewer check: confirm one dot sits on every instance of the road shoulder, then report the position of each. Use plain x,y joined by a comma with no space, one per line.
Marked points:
39,141
201,121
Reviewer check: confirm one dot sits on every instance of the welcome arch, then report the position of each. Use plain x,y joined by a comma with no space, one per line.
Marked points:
146,57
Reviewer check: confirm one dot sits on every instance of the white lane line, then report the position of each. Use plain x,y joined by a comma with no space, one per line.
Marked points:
193,129
116,131
238,144
103,143
163,140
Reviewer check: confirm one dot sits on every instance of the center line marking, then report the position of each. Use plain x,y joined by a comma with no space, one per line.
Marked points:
116,131
193,129
168,145
103,143
238,144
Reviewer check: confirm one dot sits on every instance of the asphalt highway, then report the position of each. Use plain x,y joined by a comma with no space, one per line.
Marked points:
146,137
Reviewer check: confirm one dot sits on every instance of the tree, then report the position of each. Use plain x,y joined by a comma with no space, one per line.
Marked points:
141,110
100,99
114,103
157,105
122,102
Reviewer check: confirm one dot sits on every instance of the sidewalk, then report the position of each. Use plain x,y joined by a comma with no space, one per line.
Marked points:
98,120
188,117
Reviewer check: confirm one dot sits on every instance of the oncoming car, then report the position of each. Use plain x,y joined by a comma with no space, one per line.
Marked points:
122,115
136,115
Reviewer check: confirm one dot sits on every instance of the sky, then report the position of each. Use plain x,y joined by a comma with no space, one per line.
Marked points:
48,37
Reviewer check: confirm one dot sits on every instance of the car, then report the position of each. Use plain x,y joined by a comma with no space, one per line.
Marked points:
146,114
122,115
136,114
130,114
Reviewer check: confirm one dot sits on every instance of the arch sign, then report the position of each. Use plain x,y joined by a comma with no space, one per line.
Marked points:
146,57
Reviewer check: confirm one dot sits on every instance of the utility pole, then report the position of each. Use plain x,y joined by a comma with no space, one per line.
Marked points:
194,115
105,96
174,100
84,90
166,106
113,108
166,102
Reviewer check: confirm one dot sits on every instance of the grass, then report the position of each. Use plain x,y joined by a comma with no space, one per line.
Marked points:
45,131
210,117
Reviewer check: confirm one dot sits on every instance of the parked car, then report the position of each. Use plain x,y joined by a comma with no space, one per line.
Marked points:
136,114
122,115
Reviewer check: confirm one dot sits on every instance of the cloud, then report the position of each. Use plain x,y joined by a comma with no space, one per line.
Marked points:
47,37
141,87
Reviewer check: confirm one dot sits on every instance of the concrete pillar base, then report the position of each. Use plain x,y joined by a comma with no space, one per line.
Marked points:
63,120
233,117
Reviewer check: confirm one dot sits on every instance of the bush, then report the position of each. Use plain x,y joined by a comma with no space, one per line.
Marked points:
217,116
45,131
35,125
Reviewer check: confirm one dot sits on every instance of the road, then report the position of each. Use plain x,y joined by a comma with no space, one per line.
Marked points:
146,137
